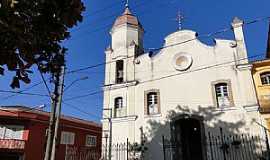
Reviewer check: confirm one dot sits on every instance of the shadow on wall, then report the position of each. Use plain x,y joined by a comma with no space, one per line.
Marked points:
202,134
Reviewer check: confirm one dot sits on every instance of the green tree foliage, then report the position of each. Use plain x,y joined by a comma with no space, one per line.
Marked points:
31,32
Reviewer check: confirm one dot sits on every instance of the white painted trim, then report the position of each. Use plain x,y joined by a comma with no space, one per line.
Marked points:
121,119
149,116
118,86
125,119
244,67
251,108
230,108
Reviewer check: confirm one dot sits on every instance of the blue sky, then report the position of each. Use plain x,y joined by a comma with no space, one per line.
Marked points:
91,37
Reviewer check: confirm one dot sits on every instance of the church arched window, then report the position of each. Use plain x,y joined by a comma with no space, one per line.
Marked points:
119,71
152,102
223,93
119,110
118,102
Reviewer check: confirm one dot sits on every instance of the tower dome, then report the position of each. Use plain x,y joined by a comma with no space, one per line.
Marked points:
127,31
127,18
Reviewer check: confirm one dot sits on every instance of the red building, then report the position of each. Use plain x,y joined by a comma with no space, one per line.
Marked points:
23,136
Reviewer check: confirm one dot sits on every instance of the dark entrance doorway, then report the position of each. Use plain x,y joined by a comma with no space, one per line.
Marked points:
187,136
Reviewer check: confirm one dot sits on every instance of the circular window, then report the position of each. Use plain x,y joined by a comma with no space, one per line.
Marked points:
182,61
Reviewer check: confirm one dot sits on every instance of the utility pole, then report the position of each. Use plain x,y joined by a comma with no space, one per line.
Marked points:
58,107
56,102
50,132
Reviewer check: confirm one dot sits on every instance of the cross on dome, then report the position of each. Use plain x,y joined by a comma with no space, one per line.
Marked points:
179,19
127,3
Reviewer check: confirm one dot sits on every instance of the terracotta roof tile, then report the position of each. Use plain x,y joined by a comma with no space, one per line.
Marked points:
15,109
127,18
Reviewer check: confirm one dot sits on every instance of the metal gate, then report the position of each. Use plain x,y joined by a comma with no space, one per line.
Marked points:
225,147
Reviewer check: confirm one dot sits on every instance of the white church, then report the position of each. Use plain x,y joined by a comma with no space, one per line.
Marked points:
184,96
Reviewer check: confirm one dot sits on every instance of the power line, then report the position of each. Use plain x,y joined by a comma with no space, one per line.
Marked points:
104,63
31,87
5,98
101,19
85,95
205,35
211,34
26,89
45,83
105,8
103,27
24,93
202,68
208,35
170,101
257,20
168,76
94,66
112,15
101,91
33,108
153,49
82,111
21,92
92,31
37,84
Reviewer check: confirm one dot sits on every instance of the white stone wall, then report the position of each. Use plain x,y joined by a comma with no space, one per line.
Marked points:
190,89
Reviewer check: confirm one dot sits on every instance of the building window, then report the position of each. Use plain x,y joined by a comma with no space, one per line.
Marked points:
119,71
265,78
91,141
11,132
118,102
119,110
152,102
67,137
223,94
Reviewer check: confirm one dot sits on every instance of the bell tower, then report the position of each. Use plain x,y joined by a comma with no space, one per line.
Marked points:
126,30
120,81
126,44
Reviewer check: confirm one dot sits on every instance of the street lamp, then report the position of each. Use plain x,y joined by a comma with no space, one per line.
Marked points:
72,83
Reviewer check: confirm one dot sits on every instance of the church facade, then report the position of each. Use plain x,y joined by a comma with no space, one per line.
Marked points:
181,92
